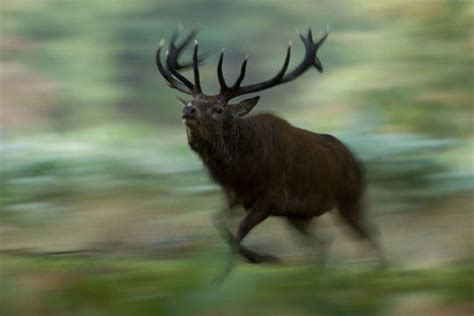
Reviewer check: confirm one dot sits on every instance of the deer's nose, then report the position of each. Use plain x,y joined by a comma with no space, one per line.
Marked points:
189,111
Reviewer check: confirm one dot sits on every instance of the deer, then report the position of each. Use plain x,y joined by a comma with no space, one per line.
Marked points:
262,163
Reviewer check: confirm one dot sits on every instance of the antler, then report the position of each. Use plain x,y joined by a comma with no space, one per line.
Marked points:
178,81
310,59
171,71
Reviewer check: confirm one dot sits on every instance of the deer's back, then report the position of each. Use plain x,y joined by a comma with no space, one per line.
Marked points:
302,172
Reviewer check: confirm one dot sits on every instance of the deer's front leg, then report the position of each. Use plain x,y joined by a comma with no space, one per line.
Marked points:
251,219
220,221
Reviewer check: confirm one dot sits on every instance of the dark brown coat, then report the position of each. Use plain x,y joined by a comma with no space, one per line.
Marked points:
299,173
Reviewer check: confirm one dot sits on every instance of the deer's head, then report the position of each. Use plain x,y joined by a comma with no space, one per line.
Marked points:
208,112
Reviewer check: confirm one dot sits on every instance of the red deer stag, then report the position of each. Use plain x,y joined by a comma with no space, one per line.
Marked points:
262,162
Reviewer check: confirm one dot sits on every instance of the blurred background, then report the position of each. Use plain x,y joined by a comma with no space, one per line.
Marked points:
104,210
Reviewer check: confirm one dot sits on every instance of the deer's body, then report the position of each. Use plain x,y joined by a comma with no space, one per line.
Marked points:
299,172
262,162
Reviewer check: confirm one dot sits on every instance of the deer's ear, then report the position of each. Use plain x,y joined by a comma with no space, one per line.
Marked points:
245,106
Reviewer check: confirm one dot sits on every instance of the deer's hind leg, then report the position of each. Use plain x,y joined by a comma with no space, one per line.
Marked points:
352,214
302,224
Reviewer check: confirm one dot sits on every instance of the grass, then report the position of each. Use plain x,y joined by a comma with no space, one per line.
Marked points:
121,286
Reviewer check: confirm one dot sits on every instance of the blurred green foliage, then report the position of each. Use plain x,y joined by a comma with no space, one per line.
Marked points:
71,286
410,61
86,119
398,90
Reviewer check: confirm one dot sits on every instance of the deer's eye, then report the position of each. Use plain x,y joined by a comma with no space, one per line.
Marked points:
217,110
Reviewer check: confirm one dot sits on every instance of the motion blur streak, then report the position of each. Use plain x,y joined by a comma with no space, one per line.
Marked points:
105,211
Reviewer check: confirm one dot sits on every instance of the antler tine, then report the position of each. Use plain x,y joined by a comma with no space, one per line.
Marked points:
179,48
310,34
283,69
172,82
317,62
237,90
299,34
220,75
201,59
197,80
172,59
241,77
310,57
323,38
188,39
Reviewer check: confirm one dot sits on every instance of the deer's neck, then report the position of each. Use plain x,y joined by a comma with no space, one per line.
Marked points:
225,154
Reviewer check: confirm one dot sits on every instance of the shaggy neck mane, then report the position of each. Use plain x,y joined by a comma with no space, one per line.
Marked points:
224,152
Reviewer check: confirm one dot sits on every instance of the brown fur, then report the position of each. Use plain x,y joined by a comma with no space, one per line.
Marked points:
272,168
299,173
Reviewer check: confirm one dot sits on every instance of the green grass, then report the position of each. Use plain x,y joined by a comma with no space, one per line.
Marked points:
105,286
